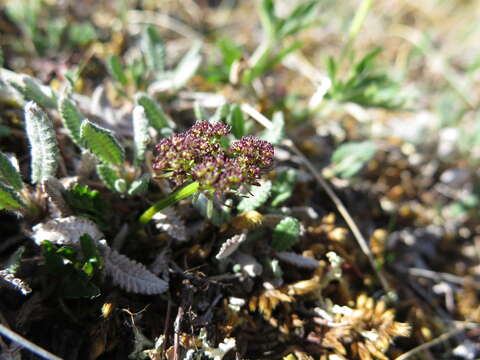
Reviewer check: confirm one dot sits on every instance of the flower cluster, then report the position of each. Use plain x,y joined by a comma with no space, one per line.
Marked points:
198,155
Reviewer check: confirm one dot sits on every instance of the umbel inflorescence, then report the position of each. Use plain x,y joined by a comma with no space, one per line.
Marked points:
197,155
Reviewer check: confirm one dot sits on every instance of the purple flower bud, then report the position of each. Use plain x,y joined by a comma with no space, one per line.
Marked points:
197,155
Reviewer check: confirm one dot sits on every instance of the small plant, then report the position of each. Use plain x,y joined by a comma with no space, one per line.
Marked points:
198,158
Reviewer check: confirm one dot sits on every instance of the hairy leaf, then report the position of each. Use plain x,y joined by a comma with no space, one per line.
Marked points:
286,234
9,199
31,91
258,196
153,50
9,173
139,186
71,117
277,133
349,158
153,112
88,203
107,175
102,143
187,67
140,134
43,144
131,275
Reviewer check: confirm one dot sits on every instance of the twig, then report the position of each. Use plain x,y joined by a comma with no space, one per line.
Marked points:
27,344
439,276
256,115
176,330
435,341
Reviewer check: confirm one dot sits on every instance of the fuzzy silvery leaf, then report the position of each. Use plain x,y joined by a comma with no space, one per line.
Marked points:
30,90
43,143
9,199
230,246
9,174
101,143
140,134
67,230
107,175
54,190
257,197
187,67
153,49
349,158
277,133
15,282
71,117
130,275
154,113
167,220
221,113
139,186
286,234
199,111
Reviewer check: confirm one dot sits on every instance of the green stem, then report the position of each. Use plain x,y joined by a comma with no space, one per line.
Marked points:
171,199
355,26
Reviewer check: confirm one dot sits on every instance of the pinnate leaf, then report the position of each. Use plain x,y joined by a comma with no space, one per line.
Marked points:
101,143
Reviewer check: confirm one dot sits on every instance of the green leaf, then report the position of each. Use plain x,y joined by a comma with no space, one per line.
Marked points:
9,173
9,198
221,113
236,120
31,91
187,67
71,117
286,234
276,134
91,255
43,143
120,185
199,111
107,175
153,112
153,50
283,186
102,143
2,59
139,186
80,34
258,196
268,18
300,18
116,70
140,134
349,158
88,203
230,51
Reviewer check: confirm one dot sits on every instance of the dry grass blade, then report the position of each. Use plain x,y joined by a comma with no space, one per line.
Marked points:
27,344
